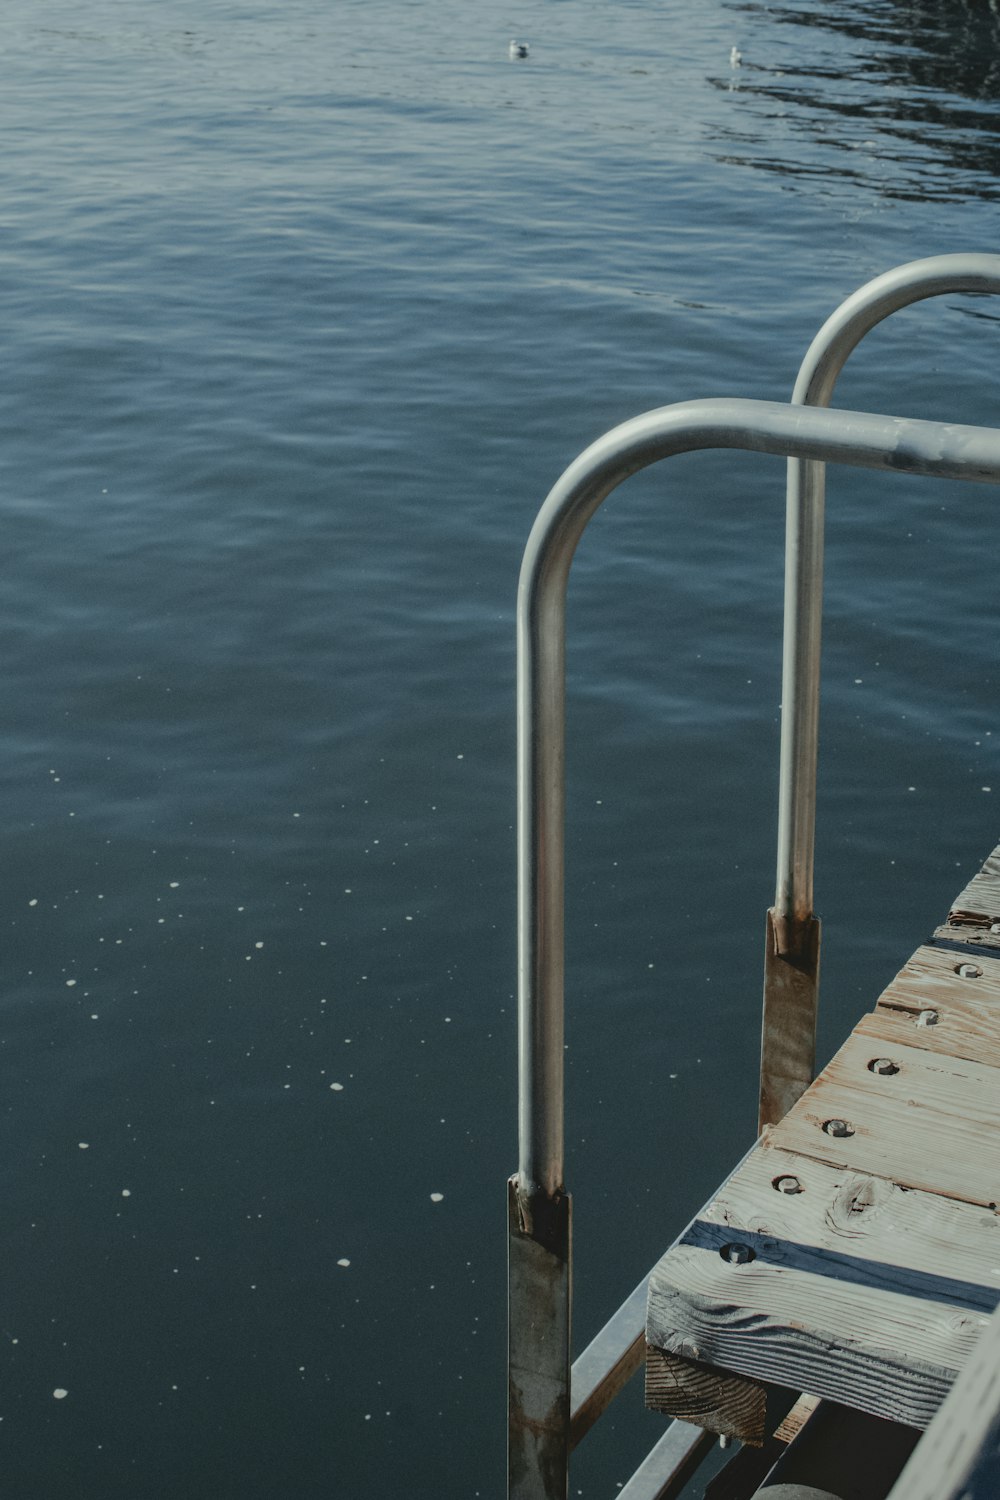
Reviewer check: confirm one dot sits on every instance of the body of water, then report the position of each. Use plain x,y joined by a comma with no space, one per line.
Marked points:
305,308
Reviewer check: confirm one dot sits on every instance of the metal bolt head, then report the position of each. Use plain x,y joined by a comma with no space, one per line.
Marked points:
883,1066
838,1127
787,1185
969,971
928,1018
995,926
737,1255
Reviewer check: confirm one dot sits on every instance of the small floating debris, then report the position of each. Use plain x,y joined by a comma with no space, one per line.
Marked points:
59,1393
517,50
343,1261
437,1197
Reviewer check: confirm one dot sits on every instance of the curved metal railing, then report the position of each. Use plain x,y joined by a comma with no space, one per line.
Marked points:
791,966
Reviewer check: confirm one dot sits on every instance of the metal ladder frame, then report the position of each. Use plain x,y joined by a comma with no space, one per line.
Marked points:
550,1406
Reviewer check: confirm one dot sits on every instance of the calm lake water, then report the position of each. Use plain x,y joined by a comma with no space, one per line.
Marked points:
305,308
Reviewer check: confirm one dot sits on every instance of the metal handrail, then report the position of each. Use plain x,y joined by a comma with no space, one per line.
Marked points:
539,1207
791,969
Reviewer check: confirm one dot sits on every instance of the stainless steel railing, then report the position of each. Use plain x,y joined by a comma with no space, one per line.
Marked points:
791,963
546,1418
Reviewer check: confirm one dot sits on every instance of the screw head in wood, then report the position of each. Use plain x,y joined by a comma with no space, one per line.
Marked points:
928,1018
995,926
969,971
787,1185
838,1127
884,1066
737,1255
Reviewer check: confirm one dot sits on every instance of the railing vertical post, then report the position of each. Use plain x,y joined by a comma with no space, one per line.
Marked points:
539,1245
792,943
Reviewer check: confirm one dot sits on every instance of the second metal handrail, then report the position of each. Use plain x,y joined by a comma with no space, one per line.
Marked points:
791,964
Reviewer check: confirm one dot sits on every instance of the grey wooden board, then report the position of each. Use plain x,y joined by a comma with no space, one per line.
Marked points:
938,1007
973,932
958,1457
981,897
878,1276
842,1210
933,1125
897,1354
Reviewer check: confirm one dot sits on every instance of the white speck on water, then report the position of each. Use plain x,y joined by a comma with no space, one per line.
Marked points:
59,1393
94,1016
343,1261
174,884
459,757
858,681
437,1197
33,901
70,983
986,789
258,945
338,1088
126,1192
84,1145
911,789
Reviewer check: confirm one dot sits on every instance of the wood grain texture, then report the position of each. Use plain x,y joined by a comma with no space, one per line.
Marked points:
722,1403
841,1210
932,1125
881,1352
959,1455
981,897
943,987
797,1418
972,930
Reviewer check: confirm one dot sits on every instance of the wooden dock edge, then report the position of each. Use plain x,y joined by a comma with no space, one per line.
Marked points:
868,1276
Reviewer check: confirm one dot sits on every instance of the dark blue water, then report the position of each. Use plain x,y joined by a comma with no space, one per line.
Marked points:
305,308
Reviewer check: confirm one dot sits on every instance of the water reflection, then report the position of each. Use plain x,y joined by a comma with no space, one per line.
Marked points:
900,97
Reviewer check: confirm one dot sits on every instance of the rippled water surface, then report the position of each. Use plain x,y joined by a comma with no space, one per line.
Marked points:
305,308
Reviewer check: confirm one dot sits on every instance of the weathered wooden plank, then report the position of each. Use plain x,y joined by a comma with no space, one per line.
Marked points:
946,1001
981,897
956,1034
932,1124
973,932
959,1455
889,1354
840,1212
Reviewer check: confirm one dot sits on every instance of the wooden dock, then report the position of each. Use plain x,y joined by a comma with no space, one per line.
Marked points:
855,1251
